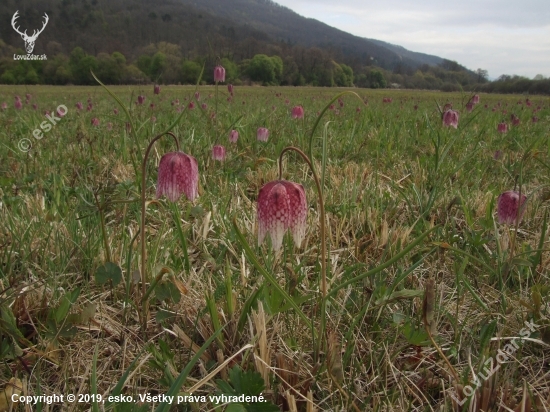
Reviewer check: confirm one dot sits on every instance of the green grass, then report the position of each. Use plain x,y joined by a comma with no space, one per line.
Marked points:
395,178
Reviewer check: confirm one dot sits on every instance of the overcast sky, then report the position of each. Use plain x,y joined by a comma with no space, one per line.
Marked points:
500,36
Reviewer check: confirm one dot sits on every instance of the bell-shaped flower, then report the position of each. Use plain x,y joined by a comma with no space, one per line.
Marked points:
178,173
502,128
297,112
450,118
262,134
282,206
219,74
509,207
233,136
218,153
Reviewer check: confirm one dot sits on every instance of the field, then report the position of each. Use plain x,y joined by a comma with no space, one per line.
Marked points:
422,300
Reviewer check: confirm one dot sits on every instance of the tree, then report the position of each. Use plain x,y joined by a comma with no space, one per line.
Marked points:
377,80
278,68
158,64
262,69
108,70
144,64
482,75
231,70
81,73
348,72
190,72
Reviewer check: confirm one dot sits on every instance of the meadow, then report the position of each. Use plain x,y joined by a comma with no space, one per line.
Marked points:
421,301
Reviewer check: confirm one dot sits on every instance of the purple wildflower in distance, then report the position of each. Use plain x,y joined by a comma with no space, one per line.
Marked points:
509,207
502,128
282,206
233,136
178,173
297,112
218,153
219,74
450,118
262,134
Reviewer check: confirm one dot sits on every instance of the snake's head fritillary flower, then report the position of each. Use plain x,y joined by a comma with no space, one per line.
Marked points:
79,105
191,105
61,112
141,99
178,173
475,99
263,134
535,119
218,153
156,89
470,106
230,89
18,104
28,96
219,74
450,118
497,155
509,207
502,128
204,106
297,112
282,206
197,96
95,121
233,136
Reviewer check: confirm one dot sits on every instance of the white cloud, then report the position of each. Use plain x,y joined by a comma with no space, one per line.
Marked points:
502,36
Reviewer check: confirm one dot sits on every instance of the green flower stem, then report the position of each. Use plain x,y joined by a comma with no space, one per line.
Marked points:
322,235
142,227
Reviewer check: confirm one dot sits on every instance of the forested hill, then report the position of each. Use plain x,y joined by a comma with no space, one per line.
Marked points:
284,25
126,25
166,40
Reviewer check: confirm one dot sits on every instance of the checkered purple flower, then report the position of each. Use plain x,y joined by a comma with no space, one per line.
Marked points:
282,206
178,173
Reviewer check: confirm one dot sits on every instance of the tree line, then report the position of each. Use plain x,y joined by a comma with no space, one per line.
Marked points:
280,64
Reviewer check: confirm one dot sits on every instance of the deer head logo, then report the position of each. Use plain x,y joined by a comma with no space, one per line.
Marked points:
29,40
